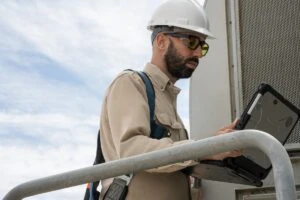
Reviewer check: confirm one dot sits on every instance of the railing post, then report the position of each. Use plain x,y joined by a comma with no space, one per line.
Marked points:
282,168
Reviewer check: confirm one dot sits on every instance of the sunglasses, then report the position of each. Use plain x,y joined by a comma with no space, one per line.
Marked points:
192,42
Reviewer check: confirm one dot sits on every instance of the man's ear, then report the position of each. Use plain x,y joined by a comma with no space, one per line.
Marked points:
161,41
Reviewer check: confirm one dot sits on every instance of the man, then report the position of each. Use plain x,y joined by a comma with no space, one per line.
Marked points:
179,30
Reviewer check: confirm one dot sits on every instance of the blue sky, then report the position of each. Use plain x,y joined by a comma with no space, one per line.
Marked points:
56,60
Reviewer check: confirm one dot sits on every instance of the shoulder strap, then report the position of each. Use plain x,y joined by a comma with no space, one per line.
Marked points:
157,132
151,97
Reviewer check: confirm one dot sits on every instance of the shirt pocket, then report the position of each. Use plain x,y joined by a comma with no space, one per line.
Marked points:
171,124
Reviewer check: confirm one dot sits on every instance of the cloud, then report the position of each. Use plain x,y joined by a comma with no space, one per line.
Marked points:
35,146
28,163
93,35
29,91
56,60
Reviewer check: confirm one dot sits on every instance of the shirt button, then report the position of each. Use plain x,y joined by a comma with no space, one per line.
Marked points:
169,134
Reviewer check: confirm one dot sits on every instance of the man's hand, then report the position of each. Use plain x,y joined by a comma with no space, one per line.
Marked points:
226,129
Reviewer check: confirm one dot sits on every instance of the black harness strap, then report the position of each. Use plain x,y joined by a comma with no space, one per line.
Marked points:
157,132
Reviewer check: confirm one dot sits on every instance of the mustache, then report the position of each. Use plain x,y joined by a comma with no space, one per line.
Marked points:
193,59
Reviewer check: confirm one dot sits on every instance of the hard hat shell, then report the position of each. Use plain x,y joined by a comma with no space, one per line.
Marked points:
186,14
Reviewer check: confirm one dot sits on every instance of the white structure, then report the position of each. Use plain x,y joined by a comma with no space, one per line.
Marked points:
257,41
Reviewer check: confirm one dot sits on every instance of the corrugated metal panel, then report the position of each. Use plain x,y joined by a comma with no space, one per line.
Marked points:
270,49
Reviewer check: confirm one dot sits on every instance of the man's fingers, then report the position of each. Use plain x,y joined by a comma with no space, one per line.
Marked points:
223,155
235,121
236,153
220,132
230,126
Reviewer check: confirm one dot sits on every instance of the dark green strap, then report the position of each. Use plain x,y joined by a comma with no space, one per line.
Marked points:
157,132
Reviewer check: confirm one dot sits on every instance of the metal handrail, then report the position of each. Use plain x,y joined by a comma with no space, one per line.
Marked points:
282,167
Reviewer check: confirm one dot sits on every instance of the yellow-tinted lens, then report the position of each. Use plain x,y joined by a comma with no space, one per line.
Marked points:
204,49
192,42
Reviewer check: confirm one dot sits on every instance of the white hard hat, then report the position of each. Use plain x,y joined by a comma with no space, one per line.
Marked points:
186,14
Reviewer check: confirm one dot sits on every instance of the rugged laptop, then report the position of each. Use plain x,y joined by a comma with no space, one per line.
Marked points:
267,111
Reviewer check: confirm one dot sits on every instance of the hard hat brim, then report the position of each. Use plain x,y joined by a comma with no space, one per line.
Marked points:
201,31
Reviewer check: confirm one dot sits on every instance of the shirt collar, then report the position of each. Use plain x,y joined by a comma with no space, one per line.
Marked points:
159,78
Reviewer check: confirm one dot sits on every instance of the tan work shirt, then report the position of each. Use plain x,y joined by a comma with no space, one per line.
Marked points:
125,131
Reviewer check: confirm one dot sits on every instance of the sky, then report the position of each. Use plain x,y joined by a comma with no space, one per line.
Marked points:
56,60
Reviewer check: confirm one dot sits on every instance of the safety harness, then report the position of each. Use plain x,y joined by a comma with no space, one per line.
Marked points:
157,132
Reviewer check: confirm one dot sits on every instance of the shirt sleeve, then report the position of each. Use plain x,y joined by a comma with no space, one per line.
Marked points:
129,121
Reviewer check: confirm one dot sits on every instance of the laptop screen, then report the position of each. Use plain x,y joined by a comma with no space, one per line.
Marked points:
271,115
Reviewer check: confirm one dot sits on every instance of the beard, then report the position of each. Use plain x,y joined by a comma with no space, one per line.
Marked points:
176,63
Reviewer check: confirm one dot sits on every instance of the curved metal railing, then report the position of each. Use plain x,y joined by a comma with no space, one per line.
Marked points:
282,168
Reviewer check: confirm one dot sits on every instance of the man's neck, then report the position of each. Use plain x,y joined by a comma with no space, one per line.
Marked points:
163,68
